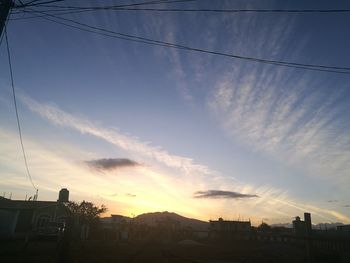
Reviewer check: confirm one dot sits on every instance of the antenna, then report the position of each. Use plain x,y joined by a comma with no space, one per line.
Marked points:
36,195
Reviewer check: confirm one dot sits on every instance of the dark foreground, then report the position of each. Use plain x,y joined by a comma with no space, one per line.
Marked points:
109,251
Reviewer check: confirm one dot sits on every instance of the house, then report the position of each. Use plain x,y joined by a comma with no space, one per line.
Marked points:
115,227
344,228
20,218
227,229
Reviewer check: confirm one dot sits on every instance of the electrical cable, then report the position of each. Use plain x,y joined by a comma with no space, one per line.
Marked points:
64,9
325,68
43,4
212,10
33,1
16,110
3,33
88,9
126,7
74,10
40,3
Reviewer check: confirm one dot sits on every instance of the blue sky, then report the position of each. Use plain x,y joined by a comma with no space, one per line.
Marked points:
191,122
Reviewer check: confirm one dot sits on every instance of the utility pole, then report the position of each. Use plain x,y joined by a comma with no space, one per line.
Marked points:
5,6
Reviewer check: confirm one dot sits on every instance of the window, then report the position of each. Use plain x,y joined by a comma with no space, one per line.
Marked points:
42,220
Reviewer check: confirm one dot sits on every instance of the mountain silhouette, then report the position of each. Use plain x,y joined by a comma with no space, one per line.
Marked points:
152,219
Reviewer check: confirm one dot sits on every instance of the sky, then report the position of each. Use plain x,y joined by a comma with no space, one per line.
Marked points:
144,128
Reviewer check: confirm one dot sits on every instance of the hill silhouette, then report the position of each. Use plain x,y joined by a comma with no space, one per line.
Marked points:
152,219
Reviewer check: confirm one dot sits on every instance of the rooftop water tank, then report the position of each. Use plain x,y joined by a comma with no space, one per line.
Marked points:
63,195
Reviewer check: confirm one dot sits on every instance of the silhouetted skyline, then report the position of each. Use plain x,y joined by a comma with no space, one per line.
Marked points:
144,128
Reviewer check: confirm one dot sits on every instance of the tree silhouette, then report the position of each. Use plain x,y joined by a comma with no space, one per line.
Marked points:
87,212
263,227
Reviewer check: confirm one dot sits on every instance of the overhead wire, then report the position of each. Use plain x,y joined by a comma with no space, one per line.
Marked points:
3,32
77,11
134,38
207,10
127,7
94,31
44,4
111,7
34,3
81,9
153,2
64,10
16,109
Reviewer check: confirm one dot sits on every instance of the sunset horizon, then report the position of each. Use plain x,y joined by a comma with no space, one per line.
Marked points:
208,114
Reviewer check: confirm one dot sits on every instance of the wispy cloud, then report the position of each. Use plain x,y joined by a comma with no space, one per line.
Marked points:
129,143
192,71
287,119
221,194
53,168
188,174
285,113
111,164
166,28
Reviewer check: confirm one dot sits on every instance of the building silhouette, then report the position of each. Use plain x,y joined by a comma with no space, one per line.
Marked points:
19,218
227,229
302,228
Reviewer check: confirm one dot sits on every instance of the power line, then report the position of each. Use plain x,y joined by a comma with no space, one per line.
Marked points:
232,11
212,10
3,33
127,7
238,10
16,110
97,32
168,44
46,2
87,9
114,34
43,4
34,3
81,9
63,10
